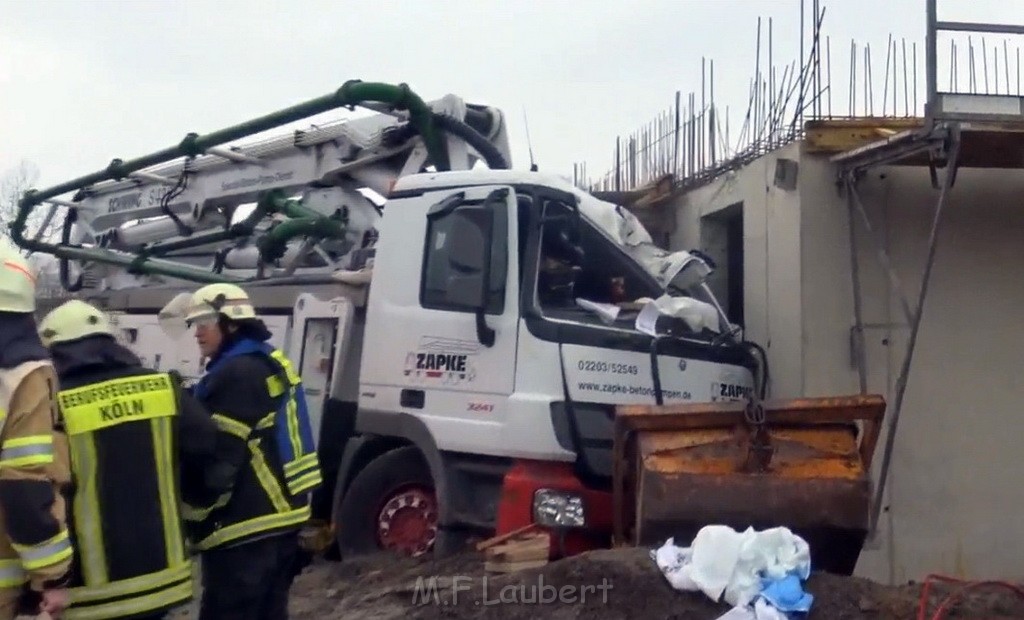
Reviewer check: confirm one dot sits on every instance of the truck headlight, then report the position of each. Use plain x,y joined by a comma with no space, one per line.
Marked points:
558,509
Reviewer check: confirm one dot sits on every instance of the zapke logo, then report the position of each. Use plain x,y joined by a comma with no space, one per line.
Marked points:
440,362
729,391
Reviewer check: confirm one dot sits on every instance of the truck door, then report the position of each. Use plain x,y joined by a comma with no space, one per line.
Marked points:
425,352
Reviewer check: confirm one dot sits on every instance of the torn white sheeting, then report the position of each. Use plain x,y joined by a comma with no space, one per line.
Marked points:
697,314
647,319
619,223
622,227
607,312
722,562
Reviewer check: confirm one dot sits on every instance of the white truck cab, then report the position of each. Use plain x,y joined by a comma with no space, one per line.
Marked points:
467,385
497,342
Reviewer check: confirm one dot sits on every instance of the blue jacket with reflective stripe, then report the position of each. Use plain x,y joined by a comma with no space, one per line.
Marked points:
292,430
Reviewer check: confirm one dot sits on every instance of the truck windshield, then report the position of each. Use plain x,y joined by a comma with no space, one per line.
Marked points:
587,273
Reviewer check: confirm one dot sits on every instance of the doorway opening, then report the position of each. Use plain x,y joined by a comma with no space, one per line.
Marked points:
721,238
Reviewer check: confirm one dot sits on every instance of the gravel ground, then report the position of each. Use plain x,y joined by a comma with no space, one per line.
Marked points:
609,584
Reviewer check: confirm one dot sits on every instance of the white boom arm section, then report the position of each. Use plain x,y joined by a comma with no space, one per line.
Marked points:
199,211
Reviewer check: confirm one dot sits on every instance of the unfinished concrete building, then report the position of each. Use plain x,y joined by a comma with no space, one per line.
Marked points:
879,254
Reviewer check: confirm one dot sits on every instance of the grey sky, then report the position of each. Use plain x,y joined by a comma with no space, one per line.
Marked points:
83,82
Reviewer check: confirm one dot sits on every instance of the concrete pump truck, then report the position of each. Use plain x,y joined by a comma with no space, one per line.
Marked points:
487,349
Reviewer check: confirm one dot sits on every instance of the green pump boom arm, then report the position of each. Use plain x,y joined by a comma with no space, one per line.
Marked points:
350,94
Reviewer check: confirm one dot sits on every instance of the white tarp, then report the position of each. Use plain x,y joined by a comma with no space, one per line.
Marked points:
740,567
622,227
697,314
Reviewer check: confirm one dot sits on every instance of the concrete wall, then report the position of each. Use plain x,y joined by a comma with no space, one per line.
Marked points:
772,241
954,494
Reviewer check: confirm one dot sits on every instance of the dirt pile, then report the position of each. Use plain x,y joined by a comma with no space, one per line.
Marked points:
621,583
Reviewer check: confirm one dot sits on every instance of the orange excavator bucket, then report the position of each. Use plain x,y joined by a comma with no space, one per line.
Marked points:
800,463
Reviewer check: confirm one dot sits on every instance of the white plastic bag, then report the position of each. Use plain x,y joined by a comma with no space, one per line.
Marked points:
726,564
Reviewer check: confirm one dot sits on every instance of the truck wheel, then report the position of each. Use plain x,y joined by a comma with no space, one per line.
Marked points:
390,506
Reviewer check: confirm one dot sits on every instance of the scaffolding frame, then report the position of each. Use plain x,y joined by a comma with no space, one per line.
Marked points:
942,144
959,130
964,106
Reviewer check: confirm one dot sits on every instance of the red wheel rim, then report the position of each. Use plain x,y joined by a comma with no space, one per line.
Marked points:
407,522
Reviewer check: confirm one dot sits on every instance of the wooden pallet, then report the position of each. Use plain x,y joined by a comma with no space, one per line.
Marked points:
517,550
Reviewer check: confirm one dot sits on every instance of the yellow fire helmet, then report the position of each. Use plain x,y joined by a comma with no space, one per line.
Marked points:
17,280
207,303
73,320
222,298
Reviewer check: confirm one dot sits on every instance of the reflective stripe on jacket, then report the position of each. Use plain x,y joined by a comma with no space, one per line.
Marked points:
35,547
124,512
265,447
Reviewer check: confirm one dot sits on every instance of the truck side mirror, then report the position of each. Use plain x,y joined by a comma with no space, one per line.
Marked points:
469,258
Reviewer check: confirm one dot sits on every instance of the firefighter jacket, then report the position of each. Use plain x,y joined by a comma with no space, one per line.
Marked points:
35,547
267,463
130,429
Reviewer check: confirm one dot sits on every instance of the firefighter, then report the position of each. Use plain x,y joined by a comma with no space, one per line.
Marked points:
129,428
35,547
248,536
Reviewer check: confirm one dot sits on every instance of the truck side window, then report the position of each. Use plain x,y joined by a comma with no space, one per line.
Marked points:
436,267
